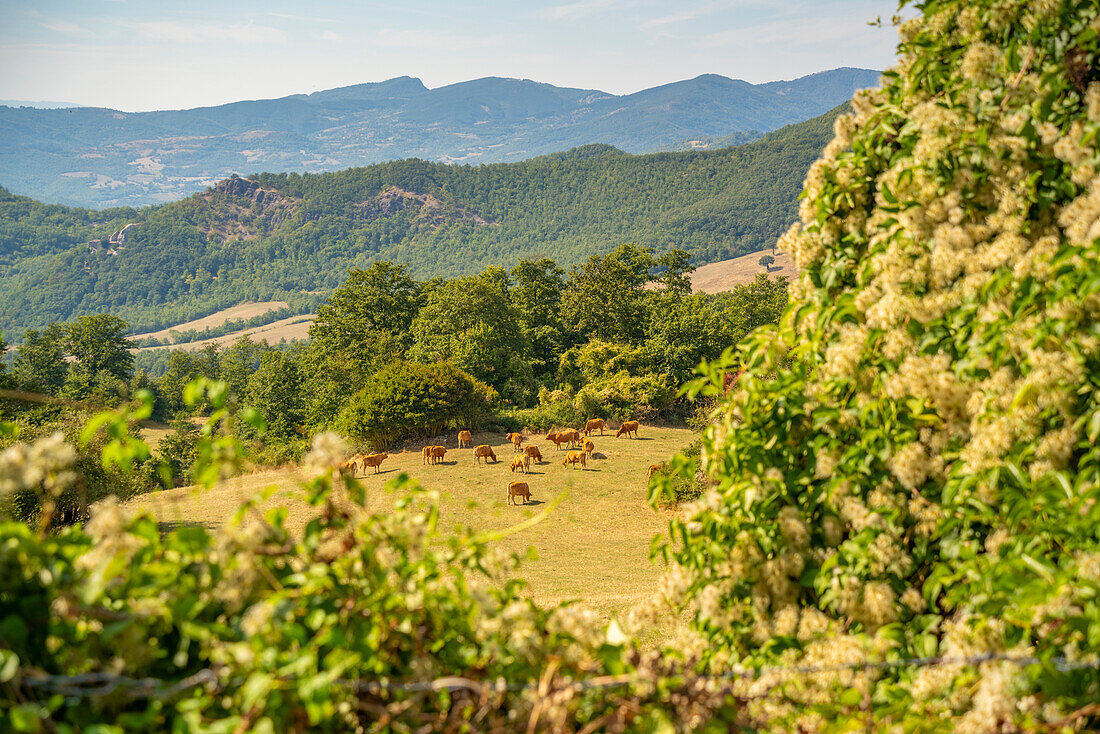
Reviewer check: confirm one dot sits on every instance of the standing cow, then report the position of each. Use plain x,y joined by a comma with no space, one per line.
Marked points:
593,424
519,489
484,452
465,439
628,427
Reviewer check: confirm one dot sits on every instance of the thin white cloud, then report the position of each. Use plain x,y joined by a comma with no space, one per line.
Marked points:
64,26
654,24
579,9
331,37
246,34
433,40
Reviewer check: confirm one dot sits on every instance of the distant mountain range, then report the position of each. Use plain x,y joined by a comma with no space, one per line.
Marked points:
43,104
88,156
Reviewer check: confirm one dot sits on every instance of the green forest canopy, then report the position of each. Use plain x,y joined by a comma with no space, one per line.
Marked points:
285,236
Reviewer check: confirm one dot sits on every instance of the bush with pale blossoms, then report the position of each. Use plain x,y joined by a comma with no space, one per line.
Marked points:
926,413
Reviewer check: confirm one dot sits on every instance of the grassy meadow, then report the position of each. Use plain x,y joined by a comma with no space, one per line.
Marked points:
593,547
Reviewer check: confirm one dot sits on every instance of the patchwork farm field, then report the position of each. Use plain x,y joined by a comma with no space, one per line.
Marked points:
593,547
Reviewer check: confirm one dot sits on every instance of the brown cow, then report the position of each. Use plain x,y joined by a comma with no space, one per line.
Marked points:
426,453
516,439
354,464
589,447
533,452
593,424
374,460
484,452
465,439
653,470
628,427
438,452
518,489
521,463
556,437
572,435
574,458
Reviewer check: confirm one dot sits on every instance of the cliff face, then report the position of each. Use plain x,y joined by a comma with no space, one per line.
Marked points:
240,208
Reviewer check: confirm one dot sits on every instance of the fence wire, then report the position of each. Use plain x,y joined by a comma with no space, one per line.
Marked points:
92,685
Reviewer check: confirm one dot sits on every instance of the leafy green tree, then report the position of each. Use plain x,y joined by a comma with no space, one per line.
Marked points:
381,298
684,331
767,261
676,270
604,298
40,363
275,389
237,363
99,344
409,399
536,293
472,323
5,378
178,450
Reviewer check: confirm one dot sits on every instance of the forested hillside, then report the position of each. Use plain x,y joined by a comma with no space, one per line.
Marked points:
284,236
100,157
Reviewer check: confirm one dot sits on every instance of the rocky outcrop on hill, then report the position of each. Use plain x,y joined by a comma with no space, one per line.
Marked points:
240,208
430,210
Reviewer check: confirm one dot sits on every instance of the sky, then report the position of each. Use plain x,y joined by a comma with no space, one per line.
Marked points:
138,55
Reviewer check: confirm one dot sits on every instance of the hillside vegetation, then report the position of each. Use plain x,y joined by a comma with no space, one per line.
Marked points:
99,157
280,236
899,489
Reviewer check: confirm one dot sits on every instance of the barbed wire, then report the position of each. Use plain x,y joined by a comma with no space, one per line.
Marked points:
91,685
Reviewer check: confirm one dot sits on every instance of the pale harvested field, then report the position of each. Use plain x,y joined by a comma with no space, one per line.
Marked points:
594,546
291,328
240,311
722,276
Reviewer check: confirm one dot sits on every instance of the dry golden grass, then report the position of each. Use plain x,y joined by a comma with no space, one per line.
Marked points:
240,311
724,275
594,546
291,328
153,431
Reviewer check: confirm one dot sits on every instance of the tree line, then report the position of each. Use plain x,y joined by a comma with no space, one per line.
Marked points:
390,356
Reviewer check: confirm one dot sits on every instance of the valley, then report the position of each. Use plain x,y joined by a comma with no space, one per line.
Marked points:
292,237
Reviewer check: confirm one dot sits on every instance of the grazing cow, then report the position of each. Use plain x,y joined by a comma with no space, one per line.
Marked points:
517,440
465,439
574,458
589,447
556,437
438,452
593,424
521,463
374,460
653,470
533,452
427,455
353,463
628,427
518,489
484,452
573,436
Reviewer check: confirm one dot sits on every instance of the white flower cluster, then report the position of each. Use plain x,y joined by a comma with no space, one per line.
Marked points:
46,464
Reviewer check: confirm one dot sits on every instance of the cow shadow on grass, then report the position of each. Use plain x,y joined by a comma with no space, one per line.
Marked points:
530,504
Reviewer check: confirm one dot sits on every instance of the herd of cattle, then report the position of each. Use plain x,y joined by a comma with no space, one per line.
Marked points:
570,437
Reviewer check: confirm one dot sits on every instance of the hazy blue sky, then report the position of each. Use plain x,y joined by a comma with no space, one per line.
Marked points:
157,54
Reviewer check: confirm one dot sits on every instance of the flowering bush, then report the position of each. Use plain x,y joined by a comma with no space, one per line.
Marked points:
922,480
360,621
